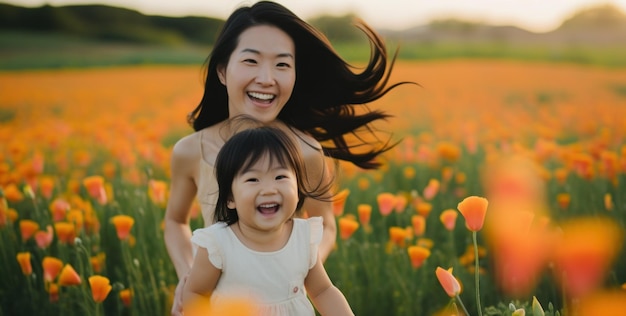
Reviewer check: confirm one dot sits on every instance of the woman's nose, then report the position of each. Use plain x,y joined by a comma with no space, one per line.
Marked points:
265,76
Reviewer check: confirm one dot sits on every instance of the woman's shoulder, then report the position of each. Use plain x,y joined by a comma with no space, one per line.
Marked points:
187,147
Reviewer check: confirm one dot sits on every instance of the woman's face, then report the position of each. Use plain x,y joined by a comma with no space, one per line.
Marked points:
260,74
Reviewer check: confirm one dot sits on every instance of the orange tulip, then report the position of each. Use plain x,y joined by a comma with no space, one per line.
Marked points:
46,186
449,283
418,255
69,276
386,203
339,201
448,219
473,209
51,268
100,287
123,224
602,303
66,232
23,258
347,227
126,296
423,208
28,228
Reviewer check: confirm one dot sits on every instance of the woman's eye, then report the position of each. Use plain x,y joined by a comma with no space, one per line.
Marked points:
283,65
249,61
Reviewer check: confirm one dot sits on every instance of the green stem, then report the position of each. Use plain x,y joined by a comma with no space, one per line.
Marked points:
477,274
458,298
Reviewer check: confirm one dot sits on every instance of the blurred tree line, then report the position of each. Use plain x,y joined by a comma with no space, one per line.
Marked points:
118,24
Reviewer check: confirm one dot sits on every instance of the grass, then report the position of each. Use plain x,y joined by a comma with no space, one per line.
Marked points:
27,50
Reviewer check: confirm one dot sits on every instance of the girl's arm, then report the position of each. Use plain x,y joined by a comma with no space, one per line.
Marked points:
326,297
202,279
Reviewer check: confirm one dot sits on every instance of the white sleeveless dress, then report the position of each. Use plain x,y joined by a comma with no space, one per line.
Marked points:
273,279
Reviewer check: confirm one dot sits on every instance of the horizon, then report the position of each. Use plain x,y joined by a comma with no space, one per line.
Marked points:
531,15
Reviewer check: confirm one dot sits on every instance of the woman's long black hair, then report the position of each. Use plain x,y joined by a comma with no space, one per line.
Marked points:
327,89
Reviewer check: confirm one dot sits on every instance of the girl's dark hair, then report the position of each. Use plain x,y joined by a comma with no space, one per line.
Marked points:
327,90
243,150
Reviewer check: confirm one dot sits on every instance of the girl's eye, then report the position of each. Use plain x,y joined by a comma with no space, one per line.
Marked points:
281,177
252,180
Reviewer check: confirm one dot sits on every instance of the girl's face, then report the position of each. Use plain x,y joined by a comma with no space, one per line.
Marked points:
265,195
260,74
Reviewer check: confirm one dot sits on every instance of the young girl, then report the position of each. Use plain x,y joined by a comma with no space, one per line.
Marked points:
271,65
258,251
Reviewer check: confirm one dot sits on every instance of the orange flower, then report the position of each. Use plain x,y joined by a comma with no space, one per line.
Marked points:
423,208
51,268
58,208
449,283
365,213
474,209
339,201
401,202
100,287
66,232
157,191
123,224
584,254
563,199
363,184
23,258
77,218
12,193
28,228
397,235
97,262
602,303
608,202
418,255
126,296
419,224
409,172
53,292
44,237
386,203
69,276
347,227
431,189
448,219
46,186
95,188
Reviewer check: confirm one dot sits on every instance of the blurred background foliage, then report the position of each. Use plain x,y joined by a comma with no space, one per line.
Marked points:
98,35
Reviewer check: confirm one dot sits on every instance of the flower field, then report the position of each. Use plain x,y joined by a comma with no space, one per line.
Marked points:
505,195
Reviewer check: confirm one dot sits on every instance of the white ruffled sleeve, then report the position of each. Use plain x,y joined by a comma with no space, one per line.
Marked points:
316,228
207,238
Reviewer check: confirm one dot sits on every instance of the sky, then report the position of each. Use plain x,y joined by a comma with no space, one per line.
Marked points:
533,15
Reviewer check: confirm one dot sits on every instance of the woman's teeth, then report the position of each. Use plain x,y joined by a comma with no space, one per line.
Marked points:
261,96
